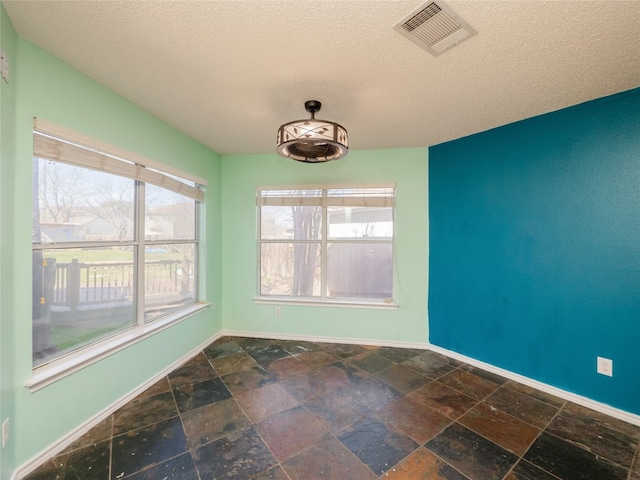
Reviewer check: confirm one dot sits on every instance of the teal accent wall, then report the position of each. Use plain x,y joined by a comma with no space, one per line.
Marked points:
244,173
535,248
50,89
7,350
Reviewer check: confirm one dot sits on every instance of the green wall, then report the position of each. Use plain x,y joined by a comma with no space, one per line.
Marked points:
244,173
7,112
52,90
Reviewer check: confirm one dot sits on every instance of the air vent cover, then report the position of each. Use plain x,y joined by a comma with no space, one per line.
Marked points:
435,27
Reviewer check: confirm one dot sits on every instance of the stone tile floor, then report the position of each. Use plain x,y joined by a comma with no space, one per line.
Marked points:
248,408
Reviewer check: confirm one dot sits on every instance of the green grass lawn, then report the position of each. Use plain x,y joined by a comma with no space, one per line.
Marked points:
65,338
105,255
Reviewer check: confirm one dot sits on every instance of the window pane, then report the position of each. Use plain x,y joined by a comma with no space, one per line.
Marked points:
75,204
291,222
168,215
290,269
356,223
359,271
80,296
169,278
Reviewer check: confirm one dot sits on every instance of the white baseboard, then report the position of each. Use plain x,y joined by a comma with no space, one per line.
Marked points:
307,338
80,430
558,392
572,397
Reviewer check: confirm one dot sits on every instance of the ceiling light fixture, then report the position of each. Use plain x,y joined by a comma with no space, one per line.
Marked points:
310,140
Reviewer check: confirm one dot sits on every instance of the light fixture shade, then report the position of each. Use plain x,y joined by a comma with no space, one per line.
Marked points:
311,140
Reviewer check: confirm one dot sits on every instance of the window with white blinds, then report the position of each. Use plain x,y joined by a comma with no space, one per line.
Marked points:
115,243
58,144
326,242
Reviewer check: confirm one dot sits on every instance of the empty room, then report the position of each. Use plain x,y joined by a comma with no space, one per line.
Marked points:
300,240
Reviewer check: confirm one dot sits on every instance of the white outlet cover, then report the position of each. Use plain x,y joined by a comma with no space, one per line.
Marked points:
604,366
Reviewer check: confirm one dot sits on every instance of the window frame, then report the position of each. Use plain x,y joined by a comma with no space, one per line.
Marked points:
52,369
323,299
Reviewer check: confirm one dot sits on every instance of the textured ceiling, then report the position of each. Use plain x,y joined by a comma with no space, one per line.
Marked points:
229,72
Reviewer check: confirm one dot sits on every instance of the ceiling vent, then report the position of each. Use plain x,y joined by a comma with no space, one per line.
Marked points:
435,27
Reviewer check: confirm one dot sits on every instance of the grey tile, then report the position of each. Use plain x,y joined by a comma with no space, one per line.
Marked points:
151,445
177,468
240,455
522,406
571,462
590,432
376,445
200,394
473,455
528,471
144,411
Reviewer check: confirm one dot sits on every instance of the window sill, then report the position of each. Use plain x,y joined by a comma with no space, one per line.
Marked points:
380,304
57,369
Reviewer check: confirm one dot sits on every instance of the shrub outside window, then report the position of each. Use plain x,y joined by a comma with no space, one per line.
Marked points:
115,244
326,243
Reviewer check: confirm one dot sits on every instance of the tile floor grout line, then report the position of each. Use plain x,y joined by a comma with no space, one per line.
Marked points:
148,467
493,441
458,391
251,423
423,444
255,425
483,401
110,449
332,433
543,430
189,449
635,459
356,456
419,445
588,450
478,402
533,398
540,432
435,454
506,385
534,465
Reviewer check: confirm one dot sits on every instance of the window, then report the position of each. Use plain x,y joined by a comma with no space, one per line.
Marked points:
115,242
326,243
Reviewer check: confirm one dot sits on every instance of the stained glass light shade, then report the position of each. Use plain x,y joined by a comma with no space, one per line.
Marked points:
311,140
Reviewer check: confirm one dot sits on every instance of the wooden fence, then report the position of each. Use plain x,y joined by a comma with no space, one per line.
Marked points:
75,290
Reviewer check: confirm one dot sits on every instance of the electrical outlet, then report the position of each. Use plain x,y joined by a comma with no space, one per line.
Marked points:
278,311
604,366
5,432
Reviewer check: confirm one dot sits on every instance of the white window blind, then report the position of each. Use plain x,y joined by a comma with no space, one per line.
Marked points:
58,144
348,196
